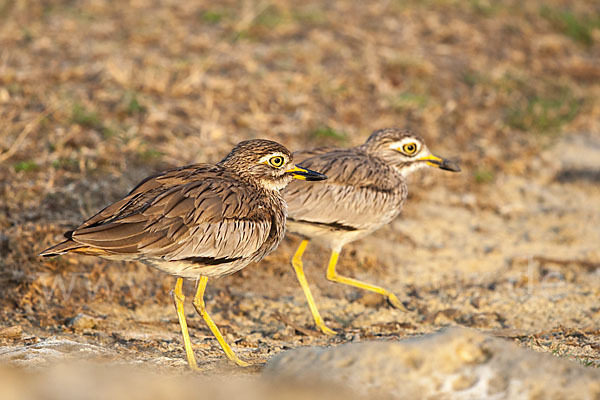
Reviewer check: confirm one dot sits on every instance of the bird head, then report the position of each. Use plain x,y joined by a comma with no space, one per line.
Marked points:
267,163
405,150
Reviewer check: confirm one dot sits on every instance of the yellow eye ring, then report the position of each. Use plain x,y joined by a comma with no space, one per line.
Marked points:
410,148
276,161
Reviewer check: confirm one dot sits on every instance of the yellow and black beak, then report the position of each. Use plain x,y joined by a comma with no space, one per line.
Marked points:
441,163
305,174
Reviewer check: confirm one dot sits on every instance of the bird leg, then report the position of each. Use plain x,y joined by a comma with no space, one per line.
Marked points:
298,267
334,277
201,309
178,299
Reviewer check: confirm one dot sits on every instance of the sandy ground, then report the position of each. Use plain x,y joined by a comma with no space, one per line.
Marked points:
510,260
94,98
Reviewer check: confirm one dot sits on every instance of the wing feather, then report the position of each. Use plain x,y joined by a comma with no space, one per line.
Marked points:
198,212
359,191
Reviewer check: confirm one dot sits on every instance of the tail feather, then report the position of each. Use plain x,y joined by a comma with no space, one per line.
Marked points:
61,248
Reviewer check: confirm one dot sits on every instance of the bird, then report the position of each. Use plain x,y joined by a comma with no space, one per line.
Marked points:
365,189
197,222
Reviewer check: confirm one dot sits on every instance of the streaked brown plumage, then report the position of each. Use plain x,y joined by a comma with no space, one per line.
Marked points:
366,189
197,221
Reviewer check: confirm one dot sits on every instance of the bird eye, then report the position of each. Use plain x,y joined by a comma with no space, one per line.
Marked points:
276,161
409,148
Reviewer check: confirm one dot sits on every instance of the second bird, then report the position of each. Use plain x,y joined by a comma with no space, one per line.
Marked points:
366,189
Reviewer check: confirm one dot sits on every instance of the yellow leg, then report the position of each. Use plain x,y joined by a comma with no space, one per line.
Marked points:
179,298
297,263
333,276
201,309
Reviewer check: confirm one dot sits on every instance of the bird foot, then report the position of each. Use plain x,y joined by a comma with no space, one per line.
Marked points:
326,330
240,363
395,302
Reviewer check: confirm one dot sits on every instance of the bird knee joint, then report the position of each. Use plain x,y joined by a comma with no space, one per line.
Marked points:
297,264
180,298
199,305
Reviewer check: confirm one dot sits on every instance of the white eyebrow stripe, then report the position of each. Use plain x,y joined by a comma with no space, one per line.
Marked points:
398,145
274,154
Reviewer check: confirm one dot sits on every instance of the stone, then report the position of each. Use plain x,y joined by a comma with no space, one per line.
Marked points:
48,352
455,363
82,322
12,332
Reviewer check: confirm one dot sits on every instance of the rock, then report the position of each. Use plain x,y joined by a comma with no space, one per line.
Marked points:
456,363
49,351
370,299
12,332
579,158
82,322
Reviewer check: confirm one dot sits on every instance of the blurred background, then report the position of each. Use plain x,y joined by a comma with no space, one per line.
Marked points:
97,94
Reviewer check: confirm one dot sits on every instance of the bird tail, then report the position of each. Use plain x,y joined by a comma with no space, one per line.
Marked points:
61,248
71,246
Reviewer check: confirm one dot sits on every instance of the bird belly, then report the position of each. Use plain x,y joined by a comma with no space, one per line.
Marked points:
192,270
330,236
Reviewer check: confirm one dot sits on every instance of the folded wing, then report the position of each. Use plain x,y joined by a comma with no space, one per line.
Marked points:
356,190
196,213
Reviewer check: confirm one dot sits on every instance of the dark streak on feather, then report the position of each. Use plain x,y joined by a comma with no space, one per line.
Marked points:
335,225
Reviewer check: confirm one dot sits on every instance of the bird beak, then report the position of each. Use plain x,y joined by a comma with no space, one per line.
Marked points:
441,163
305,174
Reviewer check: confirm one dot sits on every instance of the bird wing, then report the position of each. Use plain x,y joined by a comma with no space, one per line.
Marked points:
198,212
300,156
358,191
